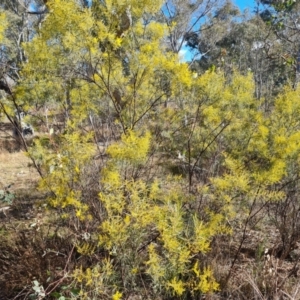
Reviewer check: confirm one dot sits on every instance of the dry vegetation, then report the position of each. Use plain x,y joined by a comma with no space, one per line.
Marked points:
36,245
30,249
149,177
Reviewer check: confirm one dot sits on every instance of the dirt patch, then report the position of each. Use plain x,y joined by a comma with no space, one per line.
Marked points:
15,171
33,255
14,164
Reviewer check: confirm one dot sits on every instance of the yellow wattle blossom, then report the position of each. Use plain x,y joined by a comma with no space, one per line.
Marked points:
207,283
177,286
205,280
3,25
132,147
117,296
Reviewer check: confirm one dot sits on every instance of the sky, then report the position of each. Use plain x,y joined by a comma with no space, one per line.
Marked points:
243,4
185,53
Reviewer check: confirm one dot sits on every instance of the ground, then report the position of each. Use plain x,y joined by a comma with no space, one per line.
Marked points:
33,248
20,218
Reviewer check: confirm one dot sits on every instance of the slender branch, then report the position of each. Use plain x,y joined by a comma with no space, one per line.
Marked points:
250,216
65,273
148,242
37,12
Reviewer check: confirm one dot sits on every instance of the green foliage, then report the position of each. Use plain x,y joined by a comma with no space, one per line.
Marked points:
284,5
6,196
148,232
64,170
132,149
38,289
151,231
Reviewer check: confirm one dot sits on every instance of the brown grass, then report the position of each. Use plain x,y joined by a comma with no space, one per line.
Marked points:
14,164
45,251
15,170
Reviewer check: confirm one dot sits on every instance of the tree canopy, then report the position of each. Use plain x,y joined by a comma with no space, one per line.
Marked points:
151,161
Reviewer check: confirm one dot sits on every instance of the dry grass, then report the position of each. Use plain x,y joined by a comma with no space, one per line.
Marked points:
15,170
14,164
45,251
27,251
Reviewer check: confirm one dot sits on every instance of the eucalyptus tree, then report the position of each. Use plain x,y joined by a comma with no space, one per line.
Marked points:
282,17
185,18
150,232
244,41
20,28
